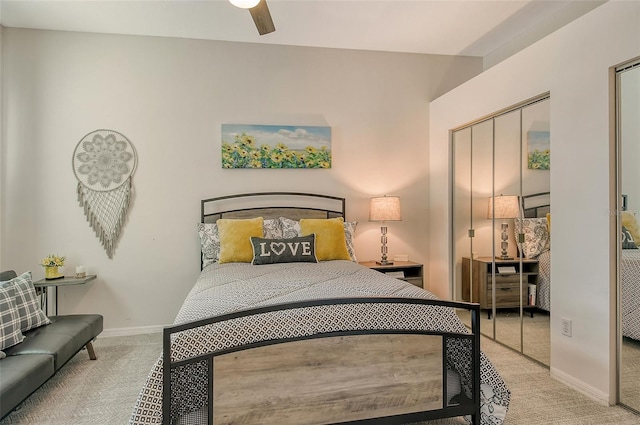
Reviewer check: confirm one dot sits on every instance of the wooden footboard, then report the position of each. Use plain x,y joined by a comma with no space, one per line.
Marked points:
387,374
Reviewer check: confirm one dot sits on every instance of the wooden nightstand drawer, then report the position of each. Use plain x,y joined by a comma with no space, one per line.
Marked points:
504,279
507,294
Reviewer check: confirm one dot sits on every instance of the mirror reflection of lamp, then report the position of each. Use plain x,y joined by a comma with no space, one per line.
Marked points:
384,208
504,207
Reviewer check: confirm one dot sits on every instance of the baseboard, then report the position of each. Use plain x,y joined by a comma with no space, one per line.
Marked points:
580,386
108,333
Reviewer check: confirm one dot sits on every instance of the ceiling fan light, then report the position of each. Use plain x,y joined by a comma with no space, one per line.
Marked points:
244,4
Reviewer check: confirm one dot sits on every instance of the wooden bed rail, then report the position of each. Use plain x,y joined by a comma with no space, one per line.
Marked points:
469,407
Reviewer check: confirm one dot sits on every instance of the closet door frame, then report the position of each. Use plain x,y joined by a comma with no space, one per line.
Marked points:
455,255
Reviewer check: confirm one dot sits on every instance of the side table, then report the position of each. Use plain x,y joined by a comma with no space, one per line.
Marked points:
43,284
404,270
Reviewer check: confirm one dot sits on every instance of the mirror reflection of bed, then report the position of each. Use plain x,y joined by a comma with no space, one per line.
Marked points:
530,333
628,231
504,154
629,273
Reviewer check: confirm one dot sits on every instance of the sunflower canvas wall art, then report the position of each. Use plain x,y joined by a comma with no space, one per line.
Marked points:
538,150
275,146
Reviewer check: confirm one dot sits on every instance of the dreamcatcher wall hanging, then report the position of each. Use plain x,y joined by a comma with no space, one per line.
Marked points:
104,162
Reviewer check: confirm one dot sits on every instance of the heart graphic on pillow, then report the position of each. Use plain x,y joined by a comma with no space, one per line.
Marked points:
278,247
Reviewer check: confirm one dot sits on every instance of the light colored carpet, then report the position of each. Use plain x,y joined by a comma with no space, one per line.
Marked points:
90,392
630,373
104,391
535,335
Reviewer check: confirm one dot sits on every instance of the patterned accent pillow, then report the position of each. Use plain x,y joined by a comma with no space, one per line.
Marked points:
210,238
536,236
627,240
26,300
291,229
209,243
10,334
272,229
349,235
291,250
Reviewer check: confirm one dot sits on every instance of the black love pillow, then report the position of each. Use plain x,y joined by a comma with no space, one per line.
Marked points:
293,250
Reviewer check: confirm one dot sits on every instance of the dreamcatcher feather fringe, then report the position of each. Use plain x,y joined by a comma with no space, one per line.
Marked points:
106,212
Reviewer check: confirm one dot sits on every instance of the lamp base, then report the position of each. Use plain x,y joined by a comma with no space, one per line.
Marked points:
384,263
505,257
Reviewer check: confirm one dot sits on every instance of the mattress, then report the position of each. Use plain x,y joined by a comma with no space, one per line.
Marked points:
225,288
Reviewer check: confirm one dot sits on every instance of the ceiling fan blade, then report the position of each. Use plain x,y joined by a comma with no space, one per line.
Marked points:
262,18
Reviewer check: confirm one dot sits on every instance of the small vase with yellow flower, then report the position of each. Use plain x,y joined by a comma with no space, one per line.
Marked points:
51,264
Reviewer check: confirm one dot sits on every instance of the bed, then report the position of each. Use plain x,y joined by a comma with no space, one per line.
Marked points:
306,342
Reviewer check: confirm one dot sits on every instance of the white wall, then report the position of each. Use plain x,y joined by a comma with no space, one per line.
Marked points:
170,97
573,65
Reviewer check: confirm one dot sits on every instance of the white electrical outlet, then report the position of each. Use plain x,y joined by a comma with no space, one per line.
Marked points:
566,327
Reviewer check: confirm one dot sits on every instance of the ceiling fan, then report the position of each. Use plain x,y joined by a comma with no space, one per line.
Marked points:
259,12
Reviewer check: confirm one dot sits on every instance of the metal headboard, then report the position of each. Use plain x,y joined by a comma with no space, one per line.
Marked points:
292,205
536,204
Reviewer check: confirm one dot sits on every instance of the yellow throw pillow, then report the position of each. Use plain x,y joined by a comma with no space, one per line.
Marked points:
549,222
330,240
629,221
235,238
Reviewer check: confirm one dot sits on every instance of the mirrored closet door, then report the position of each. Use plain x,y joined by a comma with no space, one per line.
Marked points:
501,200
628,231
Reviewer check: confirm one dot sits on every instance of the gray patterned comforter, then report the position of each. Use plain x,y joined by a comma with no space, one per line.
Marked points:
543,300
225,288
630,283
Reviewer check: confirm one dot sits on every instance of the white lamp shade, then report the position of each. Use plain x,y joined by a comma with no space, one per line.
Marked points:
244,4
385,208
503,206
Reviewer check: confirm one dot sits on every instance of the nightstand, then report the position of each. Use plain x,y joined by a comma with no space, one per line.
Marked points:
404,270
477,286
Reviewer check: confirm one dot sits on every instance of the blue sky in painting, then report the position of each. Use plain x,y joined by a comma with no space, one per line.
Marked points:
294,137
538,140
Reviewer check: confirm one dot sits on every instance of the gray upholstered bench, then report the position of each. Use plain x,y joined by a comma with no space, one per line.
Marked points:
44,351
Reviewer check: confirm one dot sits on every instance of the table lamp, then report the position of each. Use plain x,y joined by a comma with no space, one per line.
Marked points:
384,208
504,207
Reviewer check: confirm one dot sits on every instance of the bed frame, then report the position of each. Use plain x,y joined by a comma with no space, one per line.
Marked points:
307,205
293,205
536,205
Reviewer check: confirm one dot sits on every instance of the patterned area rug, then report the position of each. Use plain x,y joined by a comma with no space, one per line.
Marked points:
86,392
